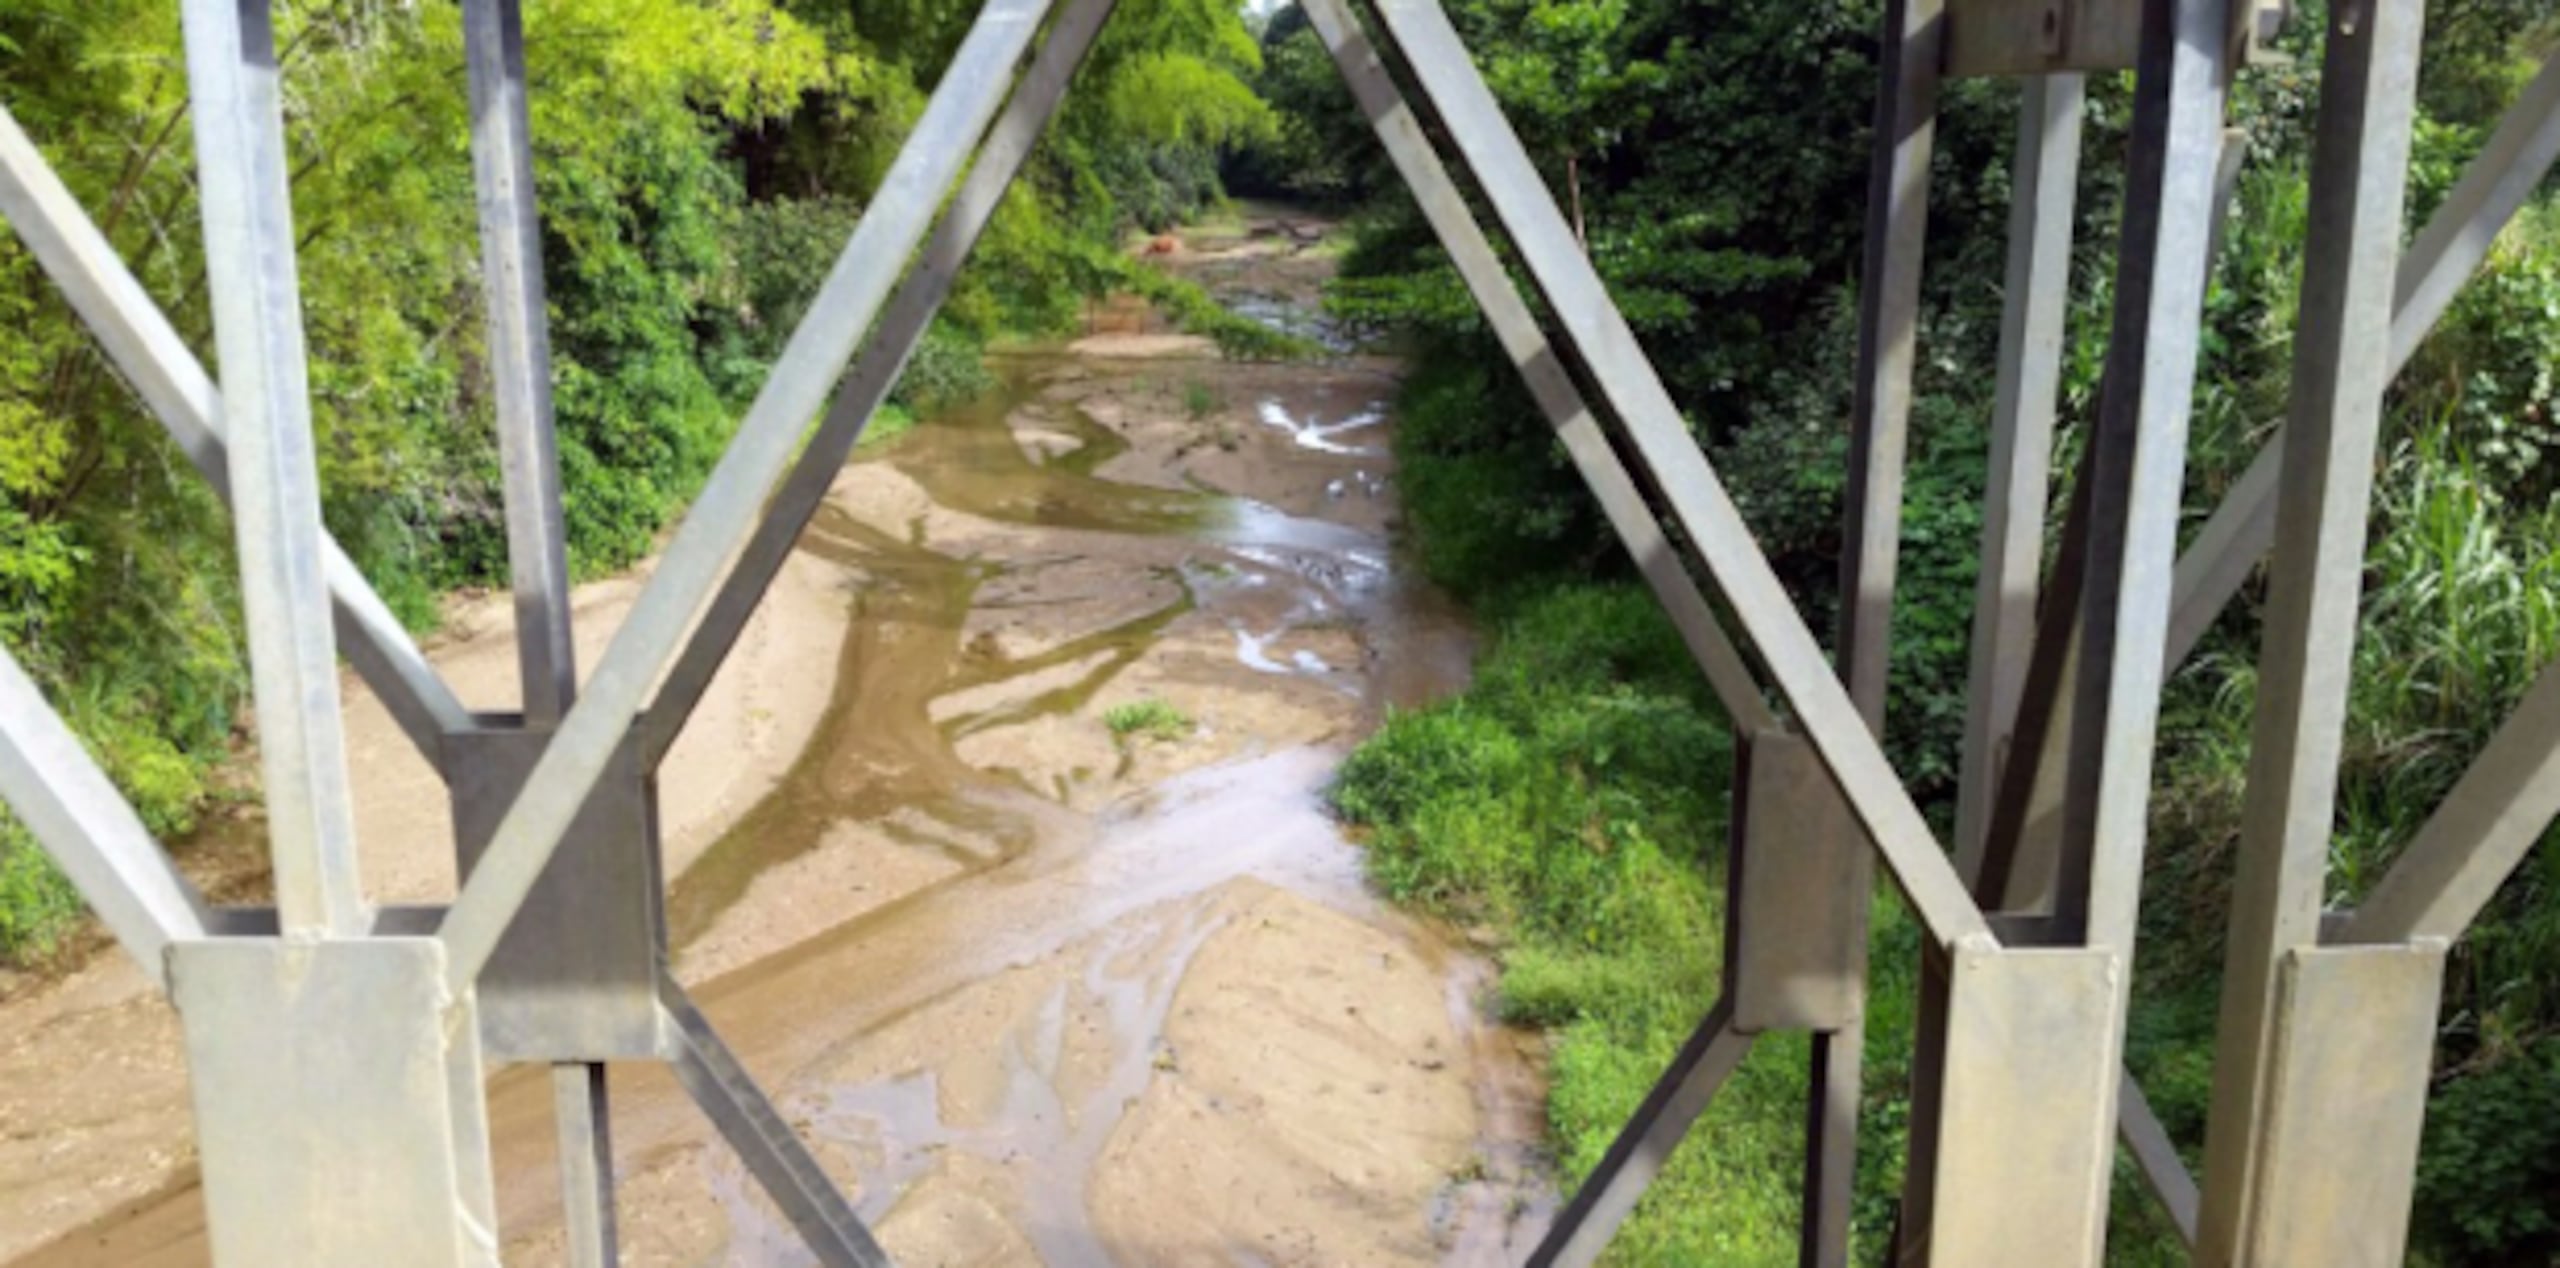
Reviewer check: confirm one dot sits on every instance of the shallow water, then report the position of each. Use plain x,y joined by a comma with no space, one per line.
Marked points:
1118,898
956,939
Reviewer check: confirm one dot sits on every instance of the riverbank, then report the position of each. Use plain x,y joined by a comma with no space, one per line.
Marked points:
1000,854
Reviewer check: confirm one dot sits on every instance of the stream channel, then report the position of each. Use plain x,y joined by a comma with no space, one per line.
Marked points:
1036,990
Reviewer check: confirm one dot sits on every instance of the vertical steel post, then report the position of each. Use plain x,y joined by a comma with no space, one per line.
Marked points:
537,551
2342,363
520,361
274,463
1879,425
2136,464
2135,471
520,355
2043,191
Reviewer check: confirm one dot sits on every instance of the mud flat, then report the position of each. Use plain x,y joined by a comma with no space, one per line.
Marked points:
999,855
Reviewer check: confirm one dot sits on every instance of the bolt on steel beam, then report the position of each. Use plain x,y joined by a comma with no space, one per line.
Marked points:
963,103
232,74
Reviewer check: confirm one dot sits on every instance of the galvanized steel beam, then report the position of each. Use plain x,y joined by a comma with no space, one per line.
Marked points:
2359,170
773,1153
520,356
1795,957
2044,175
233,75
2032,1038
2503,804
538,566
2354,1045
336,1087
2136,465
2042,37
1897,226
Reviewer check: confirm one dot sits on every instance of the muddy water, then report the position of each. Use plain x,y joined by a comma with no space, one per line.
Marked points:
1039,992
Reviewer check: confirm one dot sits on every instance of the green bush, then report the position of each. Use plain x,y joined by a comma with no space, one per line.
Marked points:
1571,805
2489,1170
37,904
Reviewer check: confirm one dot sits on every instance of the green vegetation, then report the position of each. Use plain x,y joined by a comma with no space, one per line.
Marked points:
1717,156
1561,802
698,162
1200,400
1147,719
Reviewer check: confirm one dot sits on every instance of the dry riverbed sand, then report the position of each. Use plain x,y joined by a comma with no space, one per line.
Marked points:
1036,991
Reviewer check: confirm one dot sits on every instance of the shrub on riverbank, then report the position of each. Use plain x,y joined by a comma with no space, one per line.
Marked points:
2458,617
1567,805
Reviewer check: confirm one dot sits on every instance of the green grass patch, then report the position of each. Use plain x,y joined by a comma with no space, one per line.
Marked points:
38,907
1573,799
1148,719
891,421
1200,400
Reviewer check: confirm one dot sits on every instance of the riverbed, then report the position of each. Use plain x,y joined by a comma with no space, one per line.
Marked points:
1037,988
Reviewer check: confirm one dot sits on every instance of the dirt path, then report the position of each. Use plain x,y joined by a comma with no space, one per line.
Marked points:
1038,990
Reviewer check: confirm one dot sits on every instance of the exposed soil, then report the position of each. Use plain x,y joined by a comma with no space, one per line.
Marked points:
1036,990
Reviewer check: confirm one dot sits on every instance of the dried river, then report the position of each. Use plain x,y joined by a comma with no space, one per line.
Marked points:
1036,991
